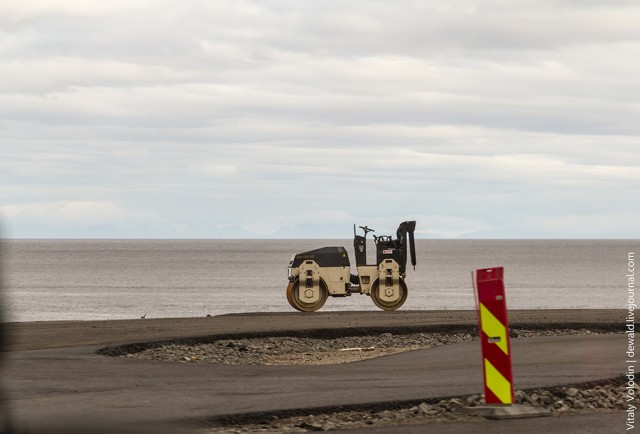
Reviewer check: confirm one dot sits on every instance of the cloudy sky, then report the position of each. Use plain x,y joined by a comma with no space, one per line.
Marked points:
227,119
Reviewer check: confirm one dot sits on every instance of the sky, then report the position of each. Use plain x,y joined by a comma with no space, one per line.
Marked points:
294,119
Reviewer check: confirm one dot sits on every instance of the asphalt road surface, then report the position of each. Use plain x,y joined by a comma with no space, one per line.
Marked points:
53,376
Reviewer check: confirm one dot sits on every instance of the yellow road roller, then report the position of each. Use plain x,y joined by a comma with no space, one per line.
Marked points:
317,274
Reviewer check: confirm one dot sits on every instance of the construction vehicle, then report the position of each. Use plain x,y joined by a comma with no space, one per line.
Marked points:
317,274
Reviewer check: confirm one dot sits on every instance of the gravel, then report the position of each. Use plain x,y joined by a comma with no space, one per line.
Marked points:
558,400
313,351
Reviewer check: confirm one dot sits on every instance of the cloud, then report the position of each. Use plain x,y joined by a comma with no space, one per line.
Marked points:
221,170
262,116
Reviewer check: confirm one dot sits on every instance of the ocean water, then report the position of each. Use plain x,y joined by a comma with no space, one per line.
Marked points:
113,279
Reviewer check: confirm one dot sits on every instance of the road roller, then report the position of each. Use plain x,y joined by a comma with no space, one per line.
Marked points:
317,274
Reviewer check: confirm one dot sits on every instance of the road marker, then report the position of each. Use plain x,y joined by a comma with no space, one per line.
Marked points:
494,335
493,327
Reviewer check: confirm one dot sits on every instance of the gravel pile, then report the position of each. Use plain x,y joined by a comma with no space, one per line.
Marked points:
310,351
558,400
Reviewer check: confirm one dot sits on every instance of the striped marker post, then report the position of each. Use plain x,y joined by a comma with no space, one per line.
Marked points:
494,336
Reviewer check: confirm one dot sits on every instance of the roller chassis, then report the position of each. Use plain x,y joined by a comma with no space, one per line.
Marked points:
317,274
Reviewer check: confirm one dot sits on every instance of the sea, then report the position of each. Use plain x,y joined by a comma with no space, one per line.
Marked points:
50,280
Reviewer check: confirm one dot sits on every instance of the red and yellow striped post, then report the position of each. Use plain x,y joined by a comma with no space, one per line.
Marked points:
494,336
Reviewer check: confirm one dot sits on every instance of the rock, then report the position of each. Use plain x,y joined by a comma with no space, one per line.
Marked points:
546,398
455,403
425,408
310,426
473,400
328,426
572,391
